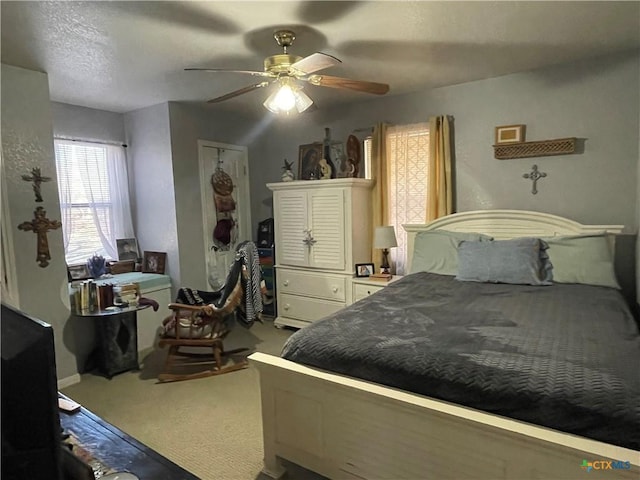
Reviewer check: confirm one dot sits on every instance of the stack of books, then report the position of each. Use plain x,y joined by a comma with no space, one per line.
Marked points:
129,293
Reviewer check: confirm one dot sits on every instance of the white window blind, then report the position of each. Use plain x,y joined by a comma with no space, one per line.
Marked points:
94,199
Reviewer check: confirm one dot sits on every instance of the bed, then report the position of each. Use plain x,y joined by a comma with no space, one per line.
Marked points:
348,417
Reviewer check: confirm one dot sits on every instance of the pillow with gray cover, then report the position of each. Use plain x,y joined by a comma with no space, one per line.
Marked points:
586,259
520,261
436,251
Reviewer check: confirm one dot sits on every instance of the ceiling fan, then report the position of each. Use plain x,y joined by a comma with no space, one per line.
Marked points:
289,71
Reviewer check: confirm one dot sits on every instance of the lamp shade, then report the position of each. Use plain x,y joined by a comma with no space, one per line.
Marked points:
384,237
288,97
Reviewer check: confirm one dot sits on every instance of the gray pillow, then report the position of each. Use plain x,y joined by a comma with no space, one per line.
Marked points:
586,259
436,251
521,261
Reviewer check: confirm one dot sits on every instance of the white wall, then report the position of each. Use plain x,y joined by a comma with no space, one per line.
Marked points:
595,100
190,123
638,218
72,121
27,142
151,177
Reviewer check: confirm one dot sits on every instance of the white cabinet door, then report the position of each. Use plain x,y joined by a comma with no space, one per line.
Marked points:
326,224
291,216
310,229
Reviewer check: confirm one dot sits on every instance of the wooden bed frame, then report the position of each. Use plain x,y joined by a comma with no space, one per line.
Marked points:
346,428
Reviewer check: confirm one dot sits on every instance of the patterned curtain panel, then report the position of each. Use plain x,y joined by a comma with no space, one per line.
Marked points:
407,149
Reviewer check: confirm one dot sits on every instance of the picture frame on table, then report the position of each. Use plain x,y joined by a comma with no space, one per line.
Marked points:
78,272
365,269
509,134
309,157
154,262
127,249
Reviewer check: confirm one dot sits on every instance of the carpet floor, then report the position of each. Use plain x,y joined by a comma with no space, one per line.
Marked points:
211,426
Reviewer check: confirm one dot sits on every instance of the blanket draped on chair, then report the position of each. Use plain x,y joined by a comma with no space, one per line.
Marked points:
251,307
251,283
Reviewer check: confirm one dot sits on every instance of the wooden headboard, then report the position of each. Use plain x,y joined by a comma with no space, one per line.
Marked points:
504,224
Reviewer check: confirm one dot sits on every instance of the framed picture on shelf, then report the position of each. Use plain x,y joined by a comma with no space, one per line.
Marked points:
309,156
154,262
365,269
127,249
78,272
510,134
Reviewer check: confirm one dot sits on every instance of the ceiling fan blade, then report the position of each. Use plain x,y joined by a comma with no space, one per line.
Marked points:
224,70
313,63
238,92
358,85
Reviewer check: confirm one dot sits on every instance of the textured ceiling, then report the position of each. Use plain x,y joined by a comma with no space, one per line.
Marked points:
122,56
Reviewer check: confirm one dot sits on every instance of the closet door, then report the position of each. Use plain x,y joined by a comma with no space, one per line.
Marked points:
326,225
233,161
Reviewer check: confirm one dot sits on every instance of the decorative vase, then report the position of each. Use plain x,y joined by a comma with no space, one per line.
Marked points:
287,176
97,266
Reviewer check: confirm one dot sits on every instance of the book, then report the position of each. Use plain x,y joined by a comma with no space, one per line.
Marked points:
381,276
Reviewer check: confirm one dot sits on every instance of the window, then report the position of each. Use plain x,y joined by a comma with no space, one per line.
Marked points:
407,160
94,199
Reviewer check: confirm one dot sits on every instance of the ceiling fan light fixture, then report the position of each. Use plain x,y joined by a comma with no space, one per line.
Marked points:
302,101
286,98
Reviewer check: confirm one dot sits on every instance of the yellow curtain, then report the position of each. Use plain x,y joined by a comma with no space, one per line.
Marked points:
439,187
379,193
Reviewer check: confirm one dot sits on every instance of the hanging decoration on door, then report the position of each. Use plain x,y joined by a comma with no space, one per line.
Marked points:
222,188
222,183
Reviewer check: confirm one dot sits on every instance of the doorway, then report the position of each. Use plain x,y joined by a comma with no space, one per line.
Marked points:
226,205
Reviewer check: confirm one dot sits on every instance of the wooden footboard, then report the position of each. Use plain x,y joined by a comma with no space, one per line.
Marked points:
342,428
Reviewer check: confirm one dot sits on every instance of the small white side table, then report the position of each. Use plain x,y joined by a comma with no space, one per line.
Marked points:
364,286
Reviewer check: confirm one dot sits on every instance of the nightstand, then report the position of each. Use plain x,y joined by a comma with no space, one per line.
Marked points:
363,287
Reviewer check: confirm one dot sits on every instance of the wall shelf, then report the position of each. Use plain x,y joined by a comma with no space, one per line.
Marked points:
541,148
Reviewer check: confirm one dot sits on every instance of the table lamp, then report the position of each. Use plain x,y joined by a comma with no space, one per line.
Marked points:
384,238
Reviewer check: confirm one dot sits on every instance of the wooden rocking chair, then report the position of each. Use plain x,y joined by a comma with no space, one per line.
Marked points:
203,326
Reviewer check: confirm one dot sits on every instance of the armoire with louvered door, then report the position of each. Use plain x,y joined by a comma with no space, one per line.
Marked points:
322,229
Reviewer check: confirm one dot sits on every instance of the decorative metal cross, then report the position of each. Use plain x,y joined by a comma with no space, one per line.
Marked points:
308,240
37,179
535,175
40,225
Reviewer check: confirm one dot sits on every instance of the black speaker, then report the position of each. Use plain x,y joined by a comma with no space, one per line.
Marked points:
265,233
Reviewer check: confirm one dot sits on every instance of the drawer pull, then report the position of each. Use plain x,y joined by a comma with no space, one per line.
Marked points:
287,306
286,283
368,292
334,289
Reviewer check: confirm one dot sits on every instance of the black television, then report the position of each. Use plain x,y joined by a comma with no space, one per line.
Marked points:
31,434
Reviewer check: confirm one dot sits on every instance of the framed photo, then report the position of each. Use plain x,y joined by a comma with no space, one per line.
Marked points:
154,262
309,156
364,269
127,249
78,272
510,134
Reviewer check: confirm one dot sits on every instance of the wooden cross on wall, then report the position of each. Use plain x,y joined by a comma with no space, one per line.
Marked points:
40,225
37,179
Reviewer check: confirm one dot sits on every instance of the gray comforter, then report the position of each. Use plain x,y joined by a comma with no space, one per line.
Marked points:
561,356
